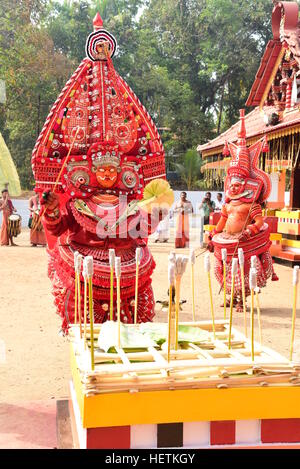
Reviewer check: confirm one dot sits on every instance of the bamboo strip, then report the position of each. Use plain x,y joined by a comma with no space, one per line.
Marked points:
200,383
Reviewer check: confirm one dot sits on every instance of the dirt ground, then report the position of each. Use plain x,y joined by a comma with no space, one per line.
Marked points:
35,365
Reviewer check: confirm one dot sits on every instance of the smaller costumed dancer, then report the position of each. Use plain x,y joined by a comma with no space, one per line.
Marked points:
241,224
7,208
183,208
37,233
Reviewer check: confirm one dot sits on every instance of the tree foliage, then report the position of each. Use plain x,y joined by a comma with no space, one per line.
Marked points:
191,62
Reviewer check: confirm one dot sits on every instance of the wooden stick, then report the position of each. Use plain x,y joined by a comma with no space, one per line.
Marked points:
171,322
224,259
233,274
91,314
192,261
85,309
180,266
258,315
177,305
207,269
78,268
118,275
170,319
137,263
295,285
242,268
89,271
253,285
111,264
76,253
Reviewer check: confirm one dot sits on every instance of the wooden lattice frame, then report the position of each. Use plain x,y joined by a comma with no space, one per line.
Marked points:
207,365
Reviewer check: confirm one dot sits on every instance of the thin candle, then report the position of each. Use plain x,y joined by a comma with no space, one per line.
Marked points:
207,267
295,290
242,269
224,259
233,274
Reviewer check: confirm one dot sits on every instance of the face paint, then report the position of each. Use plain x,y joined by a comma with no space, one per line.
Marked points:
107,176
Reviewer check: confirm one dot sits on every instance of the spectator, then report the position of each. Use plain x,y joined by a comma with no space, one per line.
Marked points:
208,206
219,202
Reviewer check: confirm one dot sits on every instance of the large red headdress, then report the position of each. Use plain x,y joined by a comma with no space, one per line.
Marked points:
97,120
243,167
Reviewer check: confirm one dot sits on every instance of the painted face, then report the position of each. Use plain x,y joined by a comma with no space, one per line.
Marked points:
236,187
107,176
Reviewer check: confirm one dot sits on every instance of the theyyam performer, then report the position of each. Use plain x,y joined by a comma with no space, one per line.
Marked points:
99,167
241,225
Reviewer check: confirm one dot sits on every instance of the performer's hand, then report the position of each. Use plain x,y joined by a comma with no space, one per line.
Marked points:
210,246
245,235
50,201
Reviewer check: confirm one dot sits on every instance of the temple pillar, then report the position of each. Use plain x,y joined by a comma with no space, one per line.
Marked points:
276,198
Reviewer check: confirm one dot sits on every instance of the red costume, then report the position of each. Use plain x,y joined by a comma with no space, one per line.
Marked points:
115,152
241,224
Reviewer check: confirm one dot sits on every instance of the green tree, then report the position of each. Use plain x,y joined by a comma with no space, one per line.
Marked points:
189,169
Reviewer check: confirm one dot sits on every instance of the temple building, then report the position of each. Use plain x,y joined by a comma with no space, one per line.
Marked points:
275,94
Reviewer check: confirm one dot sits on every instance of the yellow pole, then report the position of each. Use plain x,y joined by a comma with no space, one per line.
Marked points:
244,299
207,269
111,311
192,261
171,325
170,319
177,305
76,300
233,274
211,305
258,316
179,266
224,259
118,275
89,272
137,262
79,263
193,293
91,313
119,311
85,307
253,285
75,287
242,268
111,264
295,284
252,325
79,303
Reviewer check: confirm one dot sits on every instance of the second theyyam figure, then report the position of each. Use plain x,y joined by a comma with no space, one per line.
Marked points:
99,163
241,225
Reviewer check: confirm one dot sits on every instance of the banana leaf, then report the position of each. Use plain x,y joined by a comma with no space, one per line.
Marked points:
158,333
131,338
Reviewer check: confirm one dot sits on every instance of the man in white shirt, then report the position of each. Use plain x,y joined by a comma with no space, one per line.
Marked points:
219,202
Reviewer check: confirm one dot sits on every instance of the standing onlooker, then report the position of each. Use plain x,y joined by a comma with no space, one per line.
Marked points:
7,208
208,206
183,207
37,233
219,203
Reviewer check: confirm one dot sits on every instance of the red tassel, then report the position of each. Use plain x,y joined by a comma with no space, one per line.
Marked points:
226,151
265,147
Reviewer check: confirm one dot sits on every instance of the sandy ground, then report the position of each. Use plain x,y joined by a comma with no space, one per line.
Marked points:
34,360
